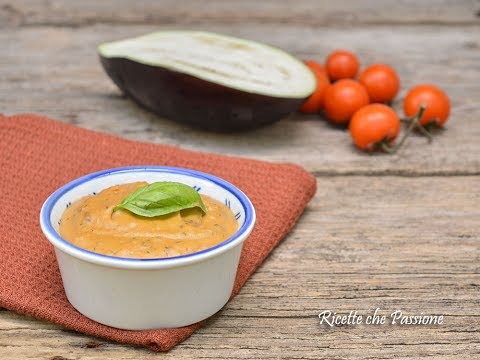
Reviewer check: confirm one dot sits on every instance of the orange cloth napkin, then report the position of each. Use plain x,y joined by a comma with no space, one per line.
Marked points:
38,155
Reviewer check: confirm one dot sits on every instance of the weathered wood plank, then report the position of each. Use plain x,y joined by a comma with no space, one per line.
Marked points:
229,337
55,71
312,12
389,242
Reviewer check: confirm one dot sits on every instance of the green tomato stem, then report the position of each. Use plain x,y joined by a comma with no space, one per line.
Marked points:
425,132
421,128
414,122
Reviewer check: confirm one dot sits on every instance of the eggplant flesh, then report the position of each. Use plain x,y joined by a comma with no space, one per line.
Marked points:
207,80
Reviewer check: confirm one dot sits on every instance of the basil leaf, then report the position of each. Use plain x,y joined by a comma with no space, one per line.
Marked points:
161,198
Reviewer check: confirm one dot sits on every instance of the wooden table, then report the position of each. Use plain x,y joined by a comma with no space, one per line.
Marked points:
393,232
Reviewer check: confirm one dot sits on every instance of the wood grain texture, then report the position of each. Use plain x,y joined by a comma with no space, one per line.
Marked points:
186,12
388,242
56,72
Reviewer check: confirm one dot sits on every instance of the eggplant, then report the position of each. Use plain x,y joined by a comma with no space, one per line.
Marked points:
207,80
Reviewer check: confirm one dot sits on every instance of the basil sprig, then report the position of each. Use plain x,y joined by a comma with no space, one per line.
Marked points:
161,198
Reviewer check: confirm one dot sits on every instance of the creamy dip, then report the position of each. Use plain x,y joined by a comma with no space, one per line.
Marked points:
91,224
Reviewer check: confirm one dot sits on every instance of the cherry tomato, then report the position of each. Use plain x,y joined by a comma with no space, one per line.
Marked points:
381,82
343,98
316,67
373,123
436,101
342,64
315,102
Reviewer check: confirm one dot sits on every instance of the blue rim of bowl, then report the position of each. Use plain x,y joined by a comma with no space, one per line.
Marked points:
47,208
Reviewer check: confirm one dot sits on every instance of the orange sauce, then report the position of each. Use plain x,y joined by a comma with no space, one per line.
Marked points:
91,224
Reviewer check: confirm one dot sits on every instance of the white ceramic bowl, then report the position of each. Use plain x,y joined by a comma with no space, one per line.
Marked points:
148,293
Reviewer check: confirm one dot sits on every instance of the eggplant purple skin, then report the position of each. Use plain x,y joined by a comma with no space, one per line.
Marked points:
194,101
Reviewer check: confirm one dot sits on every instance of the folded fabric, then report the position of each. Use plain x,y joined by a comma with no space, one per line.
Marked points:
38,155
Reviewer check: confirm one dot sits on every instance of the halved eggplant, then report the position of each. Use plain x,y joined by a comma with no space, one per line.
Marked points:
208,80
